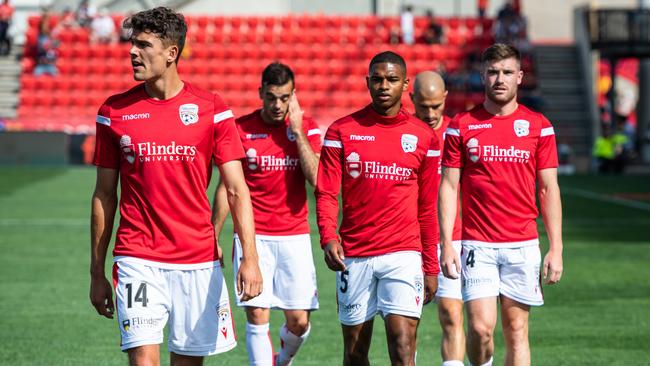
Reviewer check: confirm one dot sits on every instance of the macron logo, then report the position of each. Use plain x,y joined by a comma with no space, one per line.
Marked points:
362,138
479,127
129,117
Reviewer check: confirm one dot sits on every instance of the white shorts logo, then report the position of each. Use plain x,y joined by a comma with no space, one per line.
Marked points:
521,127
189,113
251,158
224,315
353,164
473,150
409,142
127,148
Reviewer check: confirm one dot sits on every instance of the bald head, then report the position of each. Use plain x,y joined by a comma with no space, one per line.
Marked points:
428,97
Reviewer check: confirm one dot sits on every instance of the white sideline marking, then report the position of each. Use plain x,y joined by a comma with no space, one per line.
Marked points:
44,222
605,198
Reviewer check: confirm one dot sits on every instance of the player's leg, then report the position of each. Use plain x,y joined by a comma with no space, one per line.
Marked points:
295,292
201,321
357,306
258,337
514,320
449,299
401,334
400,293
452,345
142,302
356,343
480,278
520,289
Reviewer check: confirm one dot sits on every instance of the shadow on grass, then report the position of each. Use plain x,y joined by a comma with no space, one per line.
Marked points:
17,177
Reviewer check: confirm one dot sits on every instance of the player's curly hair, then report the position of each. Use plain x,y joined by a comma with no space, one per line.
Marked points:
165,23
500,51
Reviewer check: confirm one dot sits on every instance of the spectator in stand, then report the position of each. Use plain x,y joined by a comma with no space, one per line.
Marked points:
407,25
510,27
85,13
433,34
6,12
482,8
67,21
102,28
45,49
604,150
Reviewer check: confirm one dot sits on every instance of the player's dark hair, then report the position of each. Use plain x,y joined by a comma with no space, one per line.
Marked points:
388,57
165,23
277,74
499,52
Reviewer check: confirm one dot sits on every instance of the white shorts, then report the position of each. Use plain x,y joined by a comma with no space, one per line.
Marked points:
447,287
288,272
389,284
195,302
511,272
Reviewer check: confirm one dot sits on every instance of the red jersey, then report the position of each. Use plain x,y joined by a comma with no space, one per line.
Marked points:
440,135
387,169
274,175
499,157
164,150
6,11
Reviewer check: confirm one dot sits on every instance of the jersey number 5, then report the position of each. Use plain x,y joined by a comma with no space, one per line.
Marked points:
344,281
140,295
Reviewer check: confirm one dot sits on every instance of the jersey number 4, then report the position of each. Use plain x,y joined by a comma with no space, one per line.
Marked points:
140,295
470,259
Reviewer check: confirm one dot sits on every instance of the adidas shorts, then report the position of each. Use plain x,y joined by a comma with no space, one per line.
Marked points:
386,284
511,272
288,272
194,302
447,287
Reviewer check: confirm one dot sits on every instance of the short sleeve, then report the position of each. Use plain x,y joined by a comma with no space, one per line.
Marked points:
313,135
227,144
107,149
452,156
546,154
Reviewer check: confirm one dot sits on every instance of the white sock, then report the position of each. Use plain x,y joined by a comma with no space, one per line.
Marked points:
290,344
258,345
453,363
489,363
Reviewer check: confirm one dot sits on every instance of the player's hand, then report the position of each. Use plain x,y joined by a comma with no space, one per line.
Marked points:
430,288
334,256
101,296
295,114
220,255
249,280
449,262
552,267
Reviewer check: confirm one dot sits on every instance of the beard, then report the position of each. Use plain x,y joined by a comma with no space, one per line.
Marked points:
500,99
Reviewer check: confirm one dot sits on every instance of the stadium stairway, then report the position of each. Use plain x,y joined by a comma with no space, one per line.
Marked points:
560,83
10,83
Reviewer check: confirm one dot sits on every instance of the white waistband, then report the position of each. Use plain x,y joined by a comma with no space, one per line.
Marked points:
175,266
509,245
278,237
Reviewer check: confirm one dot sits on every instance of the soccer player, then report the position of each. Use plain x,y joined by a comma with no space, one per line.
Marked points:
385,162
428,97
499,151
159,140
282,148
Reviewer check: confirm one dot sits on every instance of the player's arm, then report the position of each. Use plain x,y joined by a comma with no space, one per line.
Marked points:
103,207
220,210
327,203
447,200
308,158
551,207
428,219
249,277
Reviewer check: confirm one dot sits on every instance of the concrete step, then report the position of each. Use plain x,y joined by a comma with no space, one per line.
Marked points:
8,113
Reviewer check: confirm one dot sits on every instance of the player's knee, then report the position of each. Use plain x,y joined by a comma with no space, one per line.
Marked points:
355,356
298,326
403,347
516,329
451,319
480,333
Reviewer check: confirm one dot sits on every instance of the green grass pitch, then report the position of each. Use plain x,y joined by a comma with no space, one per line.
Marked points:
598,315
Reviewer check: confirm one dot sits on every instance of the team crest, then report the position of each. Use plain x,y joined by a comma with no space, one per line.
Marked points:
251,158
290,135
127,148
521,127
409,142
353,165
189,113
473,150
418,284
126,324
224,314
